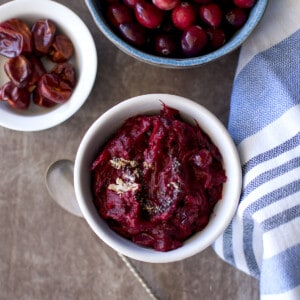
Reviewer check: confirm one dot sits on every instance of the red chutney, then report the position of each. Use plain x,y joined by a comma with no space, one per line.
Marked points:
157,180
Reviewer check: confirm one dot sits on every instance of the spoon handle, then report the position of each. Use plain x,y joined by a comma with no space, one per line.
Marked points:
138,277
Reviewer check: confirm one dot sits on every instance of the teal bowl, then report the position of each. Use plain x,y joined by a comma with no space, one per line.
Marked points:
232,44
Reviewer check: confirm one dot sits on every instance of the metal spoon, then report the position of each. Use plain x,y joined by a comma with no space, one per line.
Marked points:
59,182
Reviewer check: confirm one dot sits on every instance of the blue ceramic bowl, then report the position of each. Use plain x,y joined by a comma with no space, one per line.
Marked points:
238,38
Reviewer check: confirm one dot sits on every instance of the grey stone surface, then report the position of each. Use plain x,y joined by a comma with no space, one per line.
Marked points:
46,253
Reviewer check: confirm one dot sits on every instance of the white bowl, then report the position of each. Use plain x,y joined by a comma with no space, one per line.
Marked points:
84,60
107,124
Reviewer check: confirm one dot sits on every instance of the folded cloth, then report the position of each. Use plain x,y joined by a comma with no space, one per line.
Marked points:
263,239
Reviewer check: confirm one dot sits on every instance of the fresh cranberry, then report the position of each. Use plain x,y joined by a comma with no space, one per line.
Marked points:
148,15
193,40
166,4
244,3
217,37
236,17
130,3
183,16
118,13
134,33
211,14
164,44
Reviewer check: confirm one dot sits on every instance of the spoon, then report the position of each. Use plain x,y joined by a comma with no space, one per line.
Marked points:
59,182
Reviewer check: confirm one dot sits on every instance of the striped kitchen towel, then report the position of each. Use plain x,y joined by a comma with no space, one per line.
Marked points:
263,239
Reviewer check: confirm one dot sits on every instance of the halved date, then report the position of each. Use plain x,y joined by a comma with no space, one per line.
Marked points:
19,70
62,49
65,72
15,96
42,101
53,88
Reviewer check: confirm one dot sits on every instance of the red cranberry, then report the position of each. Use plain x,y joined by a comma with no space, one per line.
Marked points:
134,33
166,4
236,17
193,40
148,15
211,14
118,13
217,37
183,16
164,44
130,3
244,3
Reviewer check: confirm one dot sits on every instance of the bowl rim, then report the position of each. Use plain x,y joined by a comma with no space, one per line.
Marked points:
231,191
38,118
239,38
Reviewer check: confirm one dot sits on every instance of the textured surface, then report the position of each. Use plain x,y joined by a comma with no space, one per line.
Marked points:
45,252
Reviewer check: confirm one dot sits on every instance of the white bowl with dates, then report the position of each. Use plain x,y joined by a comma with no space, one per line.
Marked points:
83,60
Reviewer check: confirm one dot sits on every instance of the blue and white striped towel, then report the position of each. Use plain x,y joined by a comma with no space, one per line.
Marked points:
263,239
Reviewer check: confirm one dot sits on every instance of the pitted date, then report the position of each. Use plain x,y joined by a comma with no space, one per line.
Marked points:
15,38
19,70
65,72
62,49
15,96
53,88
43,32
42,101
